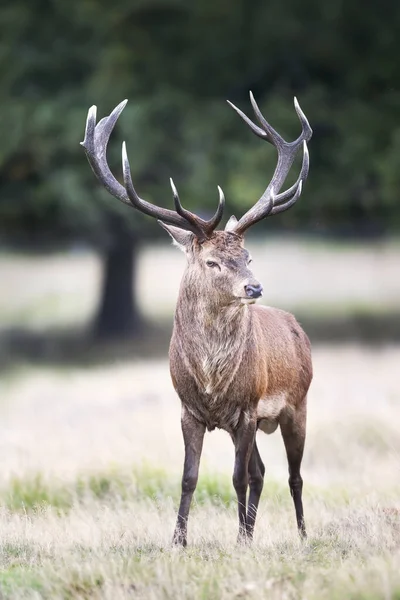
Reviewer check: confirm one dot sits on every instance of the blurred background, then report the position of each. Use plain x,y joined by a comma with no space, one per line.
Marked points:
86,281
77,267
88,286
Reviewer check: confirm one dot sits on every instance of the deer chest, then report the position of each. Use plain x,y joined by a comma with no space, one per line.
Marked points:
215,387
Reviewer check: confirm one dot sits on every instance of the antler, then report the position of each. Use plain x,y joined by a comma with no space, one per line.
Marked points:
95,145
272,202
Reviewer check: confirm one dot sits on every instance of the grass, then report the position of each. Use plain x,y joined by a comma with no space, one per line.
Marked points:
34,493
91,465
99,550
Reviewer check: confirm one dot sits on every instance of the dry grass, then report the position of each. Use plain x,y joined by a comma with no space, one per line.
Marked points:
90,464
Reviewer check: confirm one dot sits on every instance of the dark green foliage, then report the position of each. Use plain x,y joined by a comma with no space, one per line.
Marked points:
177,62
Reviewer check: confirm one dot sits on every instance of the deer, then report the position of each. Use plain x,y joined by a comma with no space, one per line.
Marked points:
235,364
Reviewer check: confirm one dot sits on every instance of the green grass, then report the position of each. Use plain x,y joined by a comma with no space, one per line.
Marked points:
140,483
19,578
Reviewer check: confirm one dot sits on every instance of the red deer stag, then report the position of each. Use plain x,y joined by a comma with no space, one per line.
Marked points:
234,364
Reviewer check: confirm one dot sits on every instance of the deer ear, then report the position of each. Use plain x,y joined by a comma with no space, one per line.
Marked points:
231,223
180,238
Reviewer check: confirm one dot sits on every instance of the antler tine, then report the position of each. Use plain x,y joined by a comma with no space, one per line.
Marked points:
272,202
206,227
286,195
95,145
215,220
186,214
307,132
164,214
255,129
270,134
278,208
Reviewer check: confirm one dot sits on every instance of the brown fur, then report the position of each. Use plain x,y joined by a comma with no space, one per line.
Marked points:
233,364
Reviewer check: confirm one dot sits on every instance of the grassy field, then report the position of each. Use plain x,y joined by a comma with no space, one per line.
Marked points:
91,459
90,463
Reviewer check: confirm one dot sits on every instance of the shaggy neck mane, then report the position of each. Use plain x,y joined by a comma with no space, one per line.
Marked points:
211,337
201,308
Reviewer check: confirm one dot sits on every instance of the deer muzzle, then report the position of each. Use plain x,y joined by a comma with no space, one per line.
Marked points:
253,290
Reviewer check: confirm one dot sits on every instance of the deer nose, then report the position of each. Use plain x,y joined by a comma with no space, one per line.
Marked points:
253,290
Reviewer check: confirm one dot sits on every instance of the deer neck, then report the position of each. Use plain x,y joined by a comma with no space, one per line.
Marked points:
210,337
208,318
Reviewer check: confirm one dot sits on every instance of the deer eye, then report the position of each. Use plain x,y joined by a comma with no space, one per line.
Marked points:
211,263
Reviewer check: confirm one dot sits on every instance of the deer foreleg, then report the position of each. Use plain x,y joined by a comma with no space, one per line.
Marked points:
193,435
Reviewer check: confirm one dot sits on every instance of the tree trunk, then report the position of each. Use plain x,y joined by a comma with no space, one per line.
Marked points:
118,314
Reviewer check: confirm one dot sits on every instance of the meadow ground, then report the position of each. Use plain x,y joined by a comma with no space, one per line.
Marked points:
90,468
91,457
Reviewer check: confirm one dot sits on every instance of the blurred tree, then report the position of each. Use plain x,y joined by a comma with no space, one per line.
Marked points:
176,61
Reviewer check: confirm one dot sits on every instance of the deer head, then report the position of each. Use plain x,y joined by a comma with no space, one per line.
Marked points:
217,268
217,259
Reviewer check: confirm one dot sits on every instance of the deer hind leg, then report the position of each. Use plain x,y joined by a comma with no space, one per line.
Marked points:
244,439
293,428
193,435
256,483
